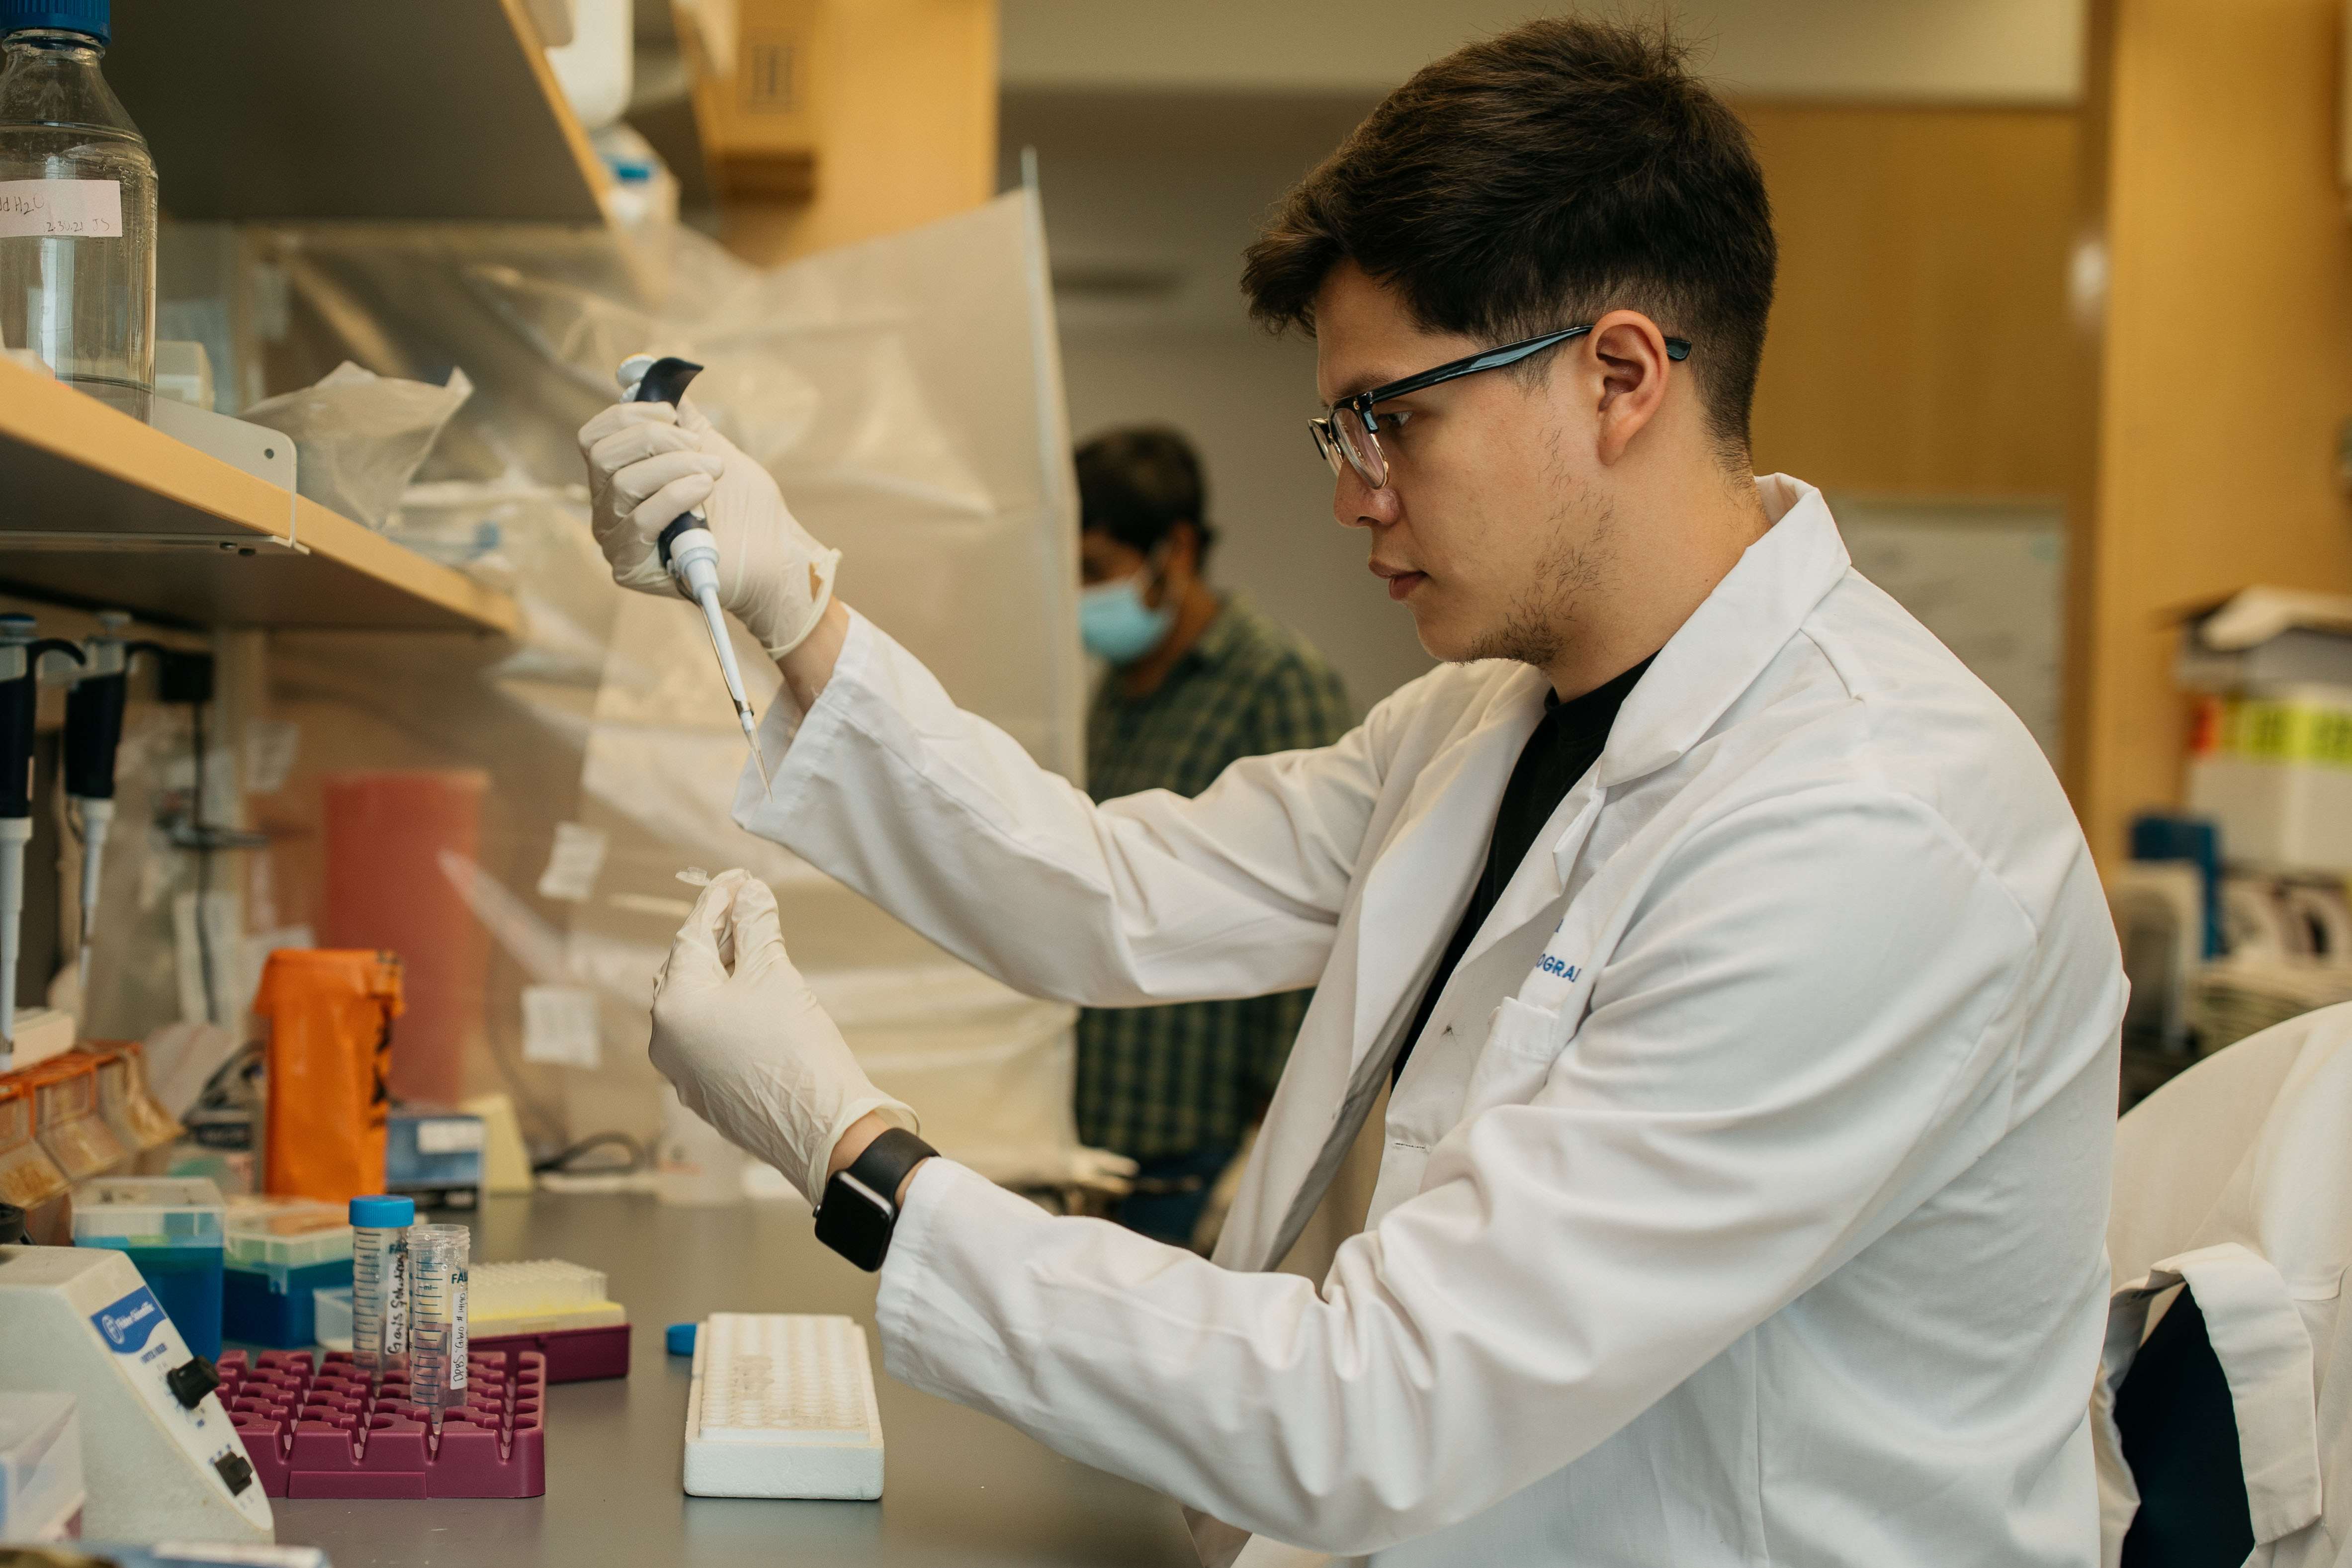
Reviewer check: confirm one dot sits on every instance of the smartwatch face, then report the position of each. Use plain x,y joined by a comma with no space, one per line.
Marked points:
853,1224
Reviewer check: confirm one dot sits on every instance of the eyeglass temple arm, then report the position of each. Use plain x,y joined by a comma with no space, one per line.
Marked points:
1493,359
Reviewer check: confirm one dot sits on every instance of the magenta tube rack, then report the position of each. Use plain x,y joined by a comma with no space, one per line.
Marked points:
314,1429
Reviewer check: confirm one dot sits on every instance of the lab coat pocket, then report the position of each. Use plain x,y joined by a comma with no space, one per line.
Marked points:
1522,1043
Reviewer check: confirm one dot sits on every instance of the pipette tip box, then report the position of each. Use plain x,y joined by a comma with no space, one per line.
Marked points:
782,1405
279,1253
314,1429
573,1355
557,1309
172,1229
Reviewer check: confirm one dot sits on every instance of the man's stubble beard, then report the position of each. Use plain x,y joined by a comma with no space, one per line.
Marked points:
1541,620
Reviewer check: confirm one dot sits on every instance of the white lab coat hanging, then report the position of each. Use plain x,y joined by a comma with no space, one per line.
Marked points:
2233,1178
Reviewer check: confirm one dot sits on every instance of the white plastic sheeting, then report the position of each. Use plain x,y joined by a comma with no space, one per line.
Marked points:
906,395
359,437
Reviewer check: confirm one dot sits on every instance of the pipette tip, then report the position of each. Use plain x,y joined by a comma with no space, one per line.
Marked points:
758,758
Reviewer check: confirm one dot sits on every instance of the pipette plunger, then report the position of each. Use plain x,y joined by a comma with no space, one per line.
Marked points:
689,550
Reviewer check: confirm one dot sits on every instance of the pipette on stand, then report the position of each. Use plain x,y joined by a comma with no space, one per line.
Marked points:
20,659
94,709
688,551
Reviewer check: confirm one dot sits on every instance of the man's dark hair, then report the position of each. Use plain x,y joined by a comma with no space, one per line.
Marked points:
1137,485
1537,180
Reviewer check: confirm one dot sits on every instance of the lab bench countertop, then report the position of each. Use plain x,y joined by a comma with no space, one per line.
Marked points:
960,1487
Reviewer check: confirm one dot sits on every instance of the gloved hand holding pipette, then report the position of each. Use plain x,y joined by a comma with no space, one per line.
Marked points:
650,463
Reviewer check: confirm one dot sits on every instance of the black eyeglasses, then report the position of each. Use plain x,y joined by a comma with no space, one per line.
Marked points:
1350,431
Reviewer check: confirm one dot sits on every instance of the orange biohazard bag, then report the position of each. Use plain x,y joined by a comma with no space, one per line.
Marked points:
328,1058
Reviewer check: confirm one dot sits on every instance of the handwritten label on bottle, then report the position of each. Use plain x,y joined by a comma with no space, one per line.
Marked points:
61,209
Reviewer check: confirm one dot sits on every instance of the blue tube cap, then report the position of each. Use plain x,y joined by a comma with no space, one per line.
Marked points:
381,1213
679,1339
92,17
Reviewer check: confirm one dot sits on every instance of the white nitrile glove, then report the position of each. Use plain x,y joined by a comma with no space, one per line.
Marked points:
739,1032
1101,1172
649,463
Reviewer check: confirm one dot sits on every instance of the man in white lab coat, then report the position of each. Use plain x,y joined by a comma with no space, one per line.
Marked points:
1748,989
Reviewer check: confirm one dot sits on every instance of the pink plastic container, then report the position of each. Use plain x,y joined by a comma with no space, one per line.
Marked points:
314,1430
385,834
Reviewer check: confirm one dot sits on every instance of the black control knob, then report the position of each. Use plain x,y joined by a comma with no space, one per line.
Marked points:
191,1381
237,1470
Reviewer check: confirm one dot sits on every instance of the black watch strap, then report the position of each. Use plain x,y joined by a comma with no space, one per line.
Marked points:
861,1204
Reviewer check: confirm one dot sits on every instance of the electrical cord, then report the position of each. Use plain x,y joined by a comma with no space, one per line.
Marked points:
562,1159
226,1113
203,871
220,1092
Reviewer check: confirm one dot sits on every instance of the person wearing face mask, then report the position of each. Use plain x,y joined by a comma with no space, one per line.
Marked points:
1197,680
1746,986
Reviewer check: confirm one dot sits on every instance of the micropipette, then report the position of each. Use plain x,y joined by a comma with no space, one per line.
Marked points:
94,707
687,549
20,660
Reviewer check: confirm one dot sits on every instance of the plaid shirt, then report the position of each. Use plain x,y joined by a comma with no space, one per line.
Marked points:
1166,1080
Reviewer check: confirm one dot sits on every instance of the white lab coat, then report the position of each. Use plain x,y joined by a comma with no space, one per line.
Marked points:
2237,1177
1743,1201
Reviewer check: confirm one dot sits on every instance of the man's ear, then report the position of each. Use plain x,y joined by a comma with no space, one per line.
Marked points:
1183,547
1634,371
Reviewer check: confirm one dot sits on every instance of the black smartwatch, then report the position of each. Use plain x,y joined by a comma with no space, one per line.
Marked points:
861,1204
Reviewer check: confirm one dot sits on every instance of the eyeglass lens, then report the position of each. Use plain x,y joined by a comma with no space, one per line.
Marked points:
1364,452
1344,436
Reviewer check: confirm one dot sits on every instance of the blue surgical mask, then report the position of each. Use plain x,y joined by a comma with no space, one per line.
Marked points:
1117,626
